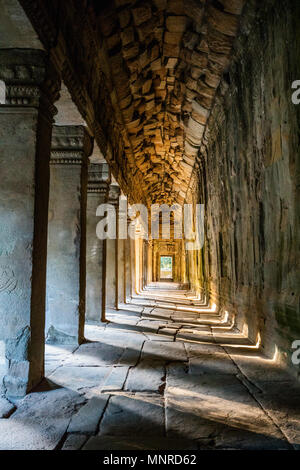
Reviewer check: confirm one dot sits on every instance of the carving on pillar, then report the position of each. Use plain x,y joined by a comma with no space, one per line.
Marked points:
70,145
30,80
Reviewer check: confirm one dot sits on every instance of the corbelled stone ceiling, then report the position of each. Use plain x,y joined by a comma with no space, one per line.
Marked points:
166,59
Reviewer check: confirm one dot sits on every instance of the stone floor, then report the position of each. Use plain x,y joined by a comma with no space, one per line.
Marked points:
165,373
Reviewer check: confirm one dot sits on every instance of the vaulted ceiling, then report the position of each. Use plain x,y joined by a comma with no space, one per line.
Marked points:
143,74
166,59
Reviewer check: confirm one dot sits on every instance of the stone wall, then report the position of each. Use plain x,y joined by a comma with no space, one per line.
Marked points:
250,179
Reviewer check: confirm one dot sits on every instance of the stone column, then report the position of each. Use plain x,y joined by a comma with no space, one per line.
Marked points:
149,261
142,264
111,256
121,260
26,120
133,266
127,261
97,193
66,269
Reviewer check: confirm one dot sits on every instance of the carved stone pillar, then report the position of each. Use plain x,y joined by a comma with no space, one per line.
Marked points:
111,257
127,262
121,255
149,261
66,269
26,119
98,184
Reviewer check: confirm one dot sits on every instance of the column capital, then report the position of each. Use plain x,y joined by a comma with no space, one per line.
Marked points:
71,145
98,178
113,194
30,79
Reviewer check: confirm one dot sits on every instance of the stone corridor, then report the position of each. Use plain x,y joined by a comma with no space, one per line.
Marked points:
149,224
164,372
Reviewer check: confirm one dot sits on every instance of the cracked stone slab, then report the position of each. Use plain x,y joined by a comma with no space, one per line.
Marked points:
127,443
151,325
116,379
218,399
56,355
195,350
281,402
167,331
159,313
145,377
135,415
164,351
158,337
187,419
260,370
183,421
208,364
79,378
147,310
40,421
130,356
86,420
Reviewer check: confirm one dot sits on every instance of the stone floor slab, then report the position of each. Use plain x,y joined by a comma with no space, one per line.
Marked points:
40,421
96,354
164,351
145,377
116,379
135,415
80,378
216,364
87,419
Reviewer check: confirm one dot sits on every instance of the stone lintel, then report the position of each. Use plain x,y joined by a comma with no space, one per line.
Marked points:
30,79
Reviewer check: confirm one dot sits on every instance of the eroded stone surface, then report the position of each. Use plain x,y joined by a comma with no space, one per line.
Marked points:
40,421
6,408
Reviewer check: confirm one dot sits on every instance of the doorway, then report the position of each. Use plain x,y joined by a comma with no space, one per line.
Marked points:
166,268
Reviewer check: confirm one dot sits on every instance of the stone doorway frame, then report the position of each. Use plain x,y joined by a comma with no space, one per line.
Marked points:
167,255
